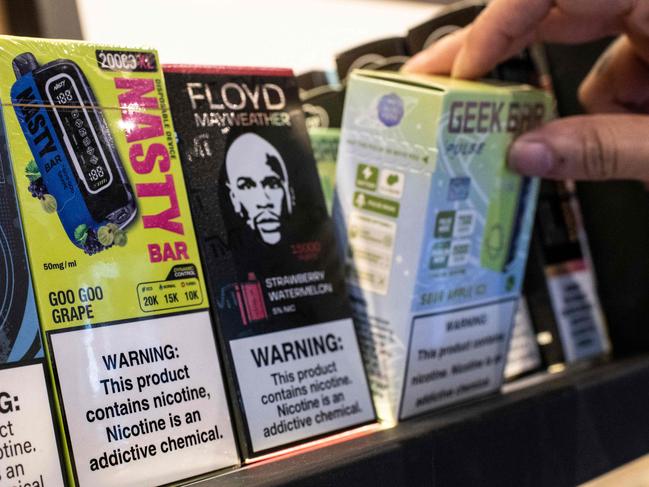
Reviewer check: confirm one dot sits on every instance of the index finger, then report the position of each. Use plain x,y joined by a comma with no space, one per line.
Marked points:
503,28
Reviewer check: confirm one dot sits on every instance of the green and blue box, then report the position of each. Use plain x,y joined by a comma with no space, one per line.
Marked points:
435,230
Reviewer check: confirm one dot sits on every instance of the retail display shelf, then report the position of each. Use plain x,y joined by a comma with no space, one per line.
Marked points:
561,430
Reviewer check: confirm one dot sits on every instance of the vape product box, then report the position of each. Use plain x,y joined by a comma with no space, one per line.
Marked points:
115,265
322,104
274,273
27,432
435,231
382,54
560,282
324,141
313,79
523,356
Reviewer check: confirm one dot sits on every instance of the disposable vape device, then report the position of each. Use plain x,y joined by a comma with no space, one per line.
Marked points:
250,300
274,272
71,144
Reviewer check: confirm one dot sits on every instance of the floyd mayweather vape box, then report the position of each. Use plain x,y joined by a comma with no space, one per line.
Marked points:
273,269
435,231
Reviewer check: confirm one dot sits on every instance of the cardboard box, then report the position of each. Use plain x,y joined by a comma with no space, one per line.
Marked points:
435,229
448,20
274,273
560,282
387,54
322,104
523,356
26,407
115,264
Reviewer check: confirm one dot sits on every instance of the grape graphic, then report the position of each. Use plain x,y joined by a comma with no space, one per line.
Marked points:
36,184
37,189
89,241
92,245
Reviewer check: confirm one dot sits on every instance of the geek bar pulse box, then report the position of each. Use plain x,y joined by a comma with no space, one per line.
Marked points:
115,265
26,408
435,231
274,273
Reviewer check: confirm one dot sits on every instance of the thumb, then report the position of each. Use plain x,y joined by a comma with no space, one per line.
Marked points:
591,147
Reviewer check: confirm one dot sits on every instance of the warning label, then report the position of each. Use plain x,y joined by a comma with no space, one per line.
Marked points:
301,383
456,355
144,401
28,451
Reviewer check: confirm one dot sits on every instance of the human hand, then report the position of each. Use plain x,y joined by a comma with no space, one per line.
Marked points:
595,147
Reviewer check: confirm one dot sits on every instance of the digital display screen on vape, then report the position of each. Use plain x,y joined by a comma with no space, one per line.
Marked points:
79,134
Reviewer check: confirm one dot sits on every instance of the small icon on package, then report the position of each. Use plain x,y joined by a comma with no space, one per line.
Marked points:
250,299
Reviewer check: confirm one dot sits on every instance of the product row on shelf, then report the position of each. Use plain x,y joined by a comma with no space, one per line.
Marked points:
183,291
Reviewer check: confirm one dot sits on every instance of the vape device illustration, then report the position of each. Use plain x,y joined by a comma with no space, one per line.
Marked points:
506,206
71,145
250,300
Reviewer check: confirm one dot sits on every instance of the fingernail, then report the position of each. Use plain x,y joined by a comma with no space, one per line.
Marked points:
531,158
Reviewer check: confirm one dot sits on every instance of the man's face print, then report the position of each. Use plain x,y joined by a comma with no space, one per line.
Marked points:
258,185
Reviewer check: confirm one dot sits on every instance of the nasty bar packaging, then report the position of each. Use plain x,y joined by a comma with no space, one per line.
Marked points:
27,429
435,230
274,273
114,262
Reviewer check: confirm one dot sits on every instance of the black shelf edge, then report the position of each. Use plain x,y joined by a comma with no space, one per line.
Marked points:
564,430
